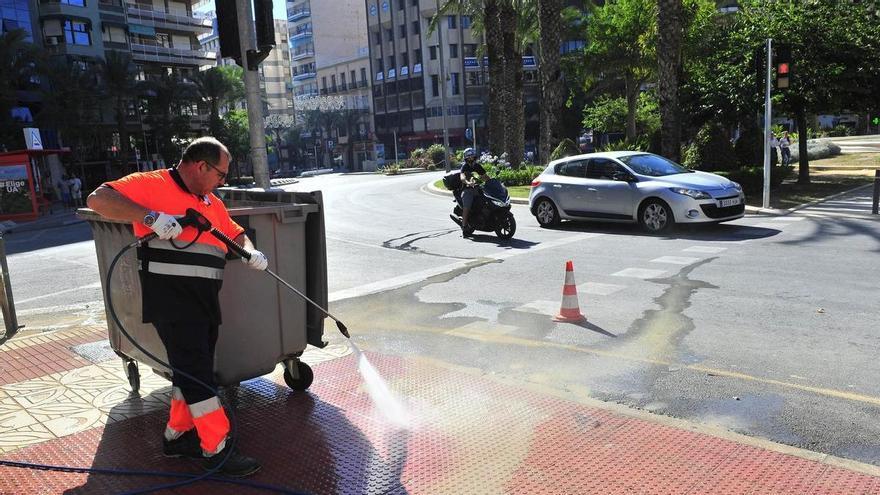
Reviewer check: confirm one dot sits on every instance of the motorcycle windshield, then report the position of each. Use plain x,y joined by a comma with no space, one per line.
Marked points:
495,190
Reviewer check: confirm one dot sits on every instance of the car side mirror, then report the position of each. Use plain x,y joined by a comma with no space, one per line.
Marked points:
623,177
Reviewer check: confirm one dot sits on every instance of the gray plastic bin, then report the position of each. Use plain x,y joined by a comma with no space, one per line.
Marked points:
264,323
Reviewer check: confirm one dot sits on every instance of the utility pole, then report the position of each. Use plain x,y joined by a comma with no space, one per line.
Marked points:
767,128
443,89
395,146
247,38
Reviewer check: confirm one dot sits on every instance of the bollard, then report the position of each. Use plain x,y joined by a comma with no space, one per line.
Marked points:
874,206
6,302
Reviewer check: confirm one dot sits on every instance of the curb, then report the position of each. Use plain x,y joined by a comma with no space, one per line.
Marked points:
755,210
431,189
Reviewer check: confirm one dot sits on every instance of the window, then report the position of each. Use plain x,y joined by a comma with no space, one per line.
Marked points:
363,77
465,21
377,37
333,83
401,4
379,65
574,168
433,52
435,85
415,3
391,63
602,168
469,49
454,84
451,22
453,50
416,27
402,29
417,55
404,59
389,34
324,83
163,39
342,80
474,78
77,33
353,79
78,3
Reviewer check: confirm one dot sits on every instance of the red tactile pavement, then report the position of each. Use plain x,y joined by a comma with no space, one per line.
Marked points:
34,361
471,435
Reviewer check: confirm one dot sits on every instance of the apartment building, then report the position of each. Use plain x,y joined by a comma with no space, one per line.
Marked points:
331,70
407,81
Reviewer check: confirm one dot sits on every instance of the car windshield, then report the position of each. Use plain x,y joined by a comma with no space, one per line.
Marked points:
652,165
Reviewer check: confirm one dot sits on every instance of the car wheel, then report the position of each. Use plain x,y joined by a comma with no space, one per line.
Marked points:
546,213
655,216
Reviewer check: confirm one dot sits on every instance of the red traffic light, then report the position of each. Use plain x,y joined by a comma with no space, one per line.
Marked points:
782,68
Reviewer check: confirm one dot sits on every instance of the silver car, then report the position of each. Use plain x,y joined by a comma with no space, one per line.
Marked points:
632,186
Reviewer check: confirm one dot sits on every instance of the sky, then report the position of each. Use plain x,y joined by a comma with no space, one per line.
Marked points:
279,8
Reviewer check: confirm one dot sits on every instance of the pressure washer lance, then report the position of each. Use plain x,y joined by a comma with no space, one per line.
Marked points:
195,219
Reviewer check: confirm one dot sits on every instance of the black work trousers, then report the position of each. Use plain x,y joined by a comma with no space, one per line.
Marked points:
190,348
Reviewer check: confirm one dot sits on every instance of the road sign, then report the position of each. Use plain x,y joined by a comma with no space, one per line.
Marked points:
32,138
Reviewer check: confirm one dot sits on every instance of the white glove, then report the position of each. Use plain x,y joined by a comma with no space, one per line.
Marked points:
166,227
258,260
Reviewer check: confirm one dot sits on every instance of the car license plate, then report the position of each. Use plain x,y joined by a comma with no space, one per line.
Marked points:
729,202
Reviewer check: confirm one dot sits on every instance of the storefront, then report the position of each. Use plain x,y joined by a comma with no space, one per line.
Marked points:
24,178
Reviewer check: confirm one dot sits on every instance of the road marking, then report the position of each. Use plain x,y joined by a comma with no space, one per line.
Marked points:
597,289
639,273
704,249
356,243
525,342
787,218
96,285
540,307
410,278
675,260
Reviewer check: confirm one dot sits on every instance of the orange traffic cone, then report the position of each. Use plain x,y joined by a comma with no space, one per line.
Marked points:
569,312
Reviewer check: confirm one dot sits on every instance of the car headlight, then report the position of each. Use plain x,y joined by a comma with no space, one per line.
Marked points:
694,193
737,186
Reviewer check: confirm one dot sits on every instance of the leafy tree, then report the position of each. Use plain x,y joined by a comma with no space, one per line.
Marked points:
621,48
608,114
169,98
236,137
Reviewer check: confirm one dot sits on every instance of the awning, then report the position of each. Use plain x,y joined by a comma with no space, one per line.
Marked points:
144,30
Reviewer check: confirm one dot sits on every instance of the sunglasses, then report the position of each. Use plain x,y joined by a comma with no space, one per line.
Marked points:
222,175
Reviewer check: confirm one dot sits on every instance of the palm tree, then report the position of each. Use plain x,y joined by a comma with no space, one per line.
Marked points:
17,64
121,85
219,86
550,26
70,105
512,81
167,96
669,27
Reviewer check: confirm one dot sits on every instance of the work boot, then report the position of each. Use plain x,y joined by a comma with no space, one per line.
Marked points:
237,466
186,445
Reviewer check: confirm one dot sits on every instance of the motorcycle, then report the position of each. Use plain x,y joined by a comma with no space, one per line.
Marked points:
490,211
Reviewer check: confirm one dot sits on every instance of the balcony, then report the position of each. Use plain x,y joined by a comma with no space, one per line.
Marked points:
301,35
164,20
298,14
302,55
156,53
302,76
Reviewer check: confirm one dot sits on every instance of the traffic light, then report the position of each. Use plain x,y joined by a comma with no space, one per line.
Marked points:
227,29
265,24
783,66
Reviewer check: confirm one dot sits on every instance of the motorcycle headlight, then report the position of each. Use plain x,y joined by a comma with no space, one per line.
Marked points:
499,204
693,193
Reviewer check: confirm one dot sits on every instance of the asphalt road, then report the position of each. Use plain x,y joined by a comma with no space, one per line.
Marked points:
766,326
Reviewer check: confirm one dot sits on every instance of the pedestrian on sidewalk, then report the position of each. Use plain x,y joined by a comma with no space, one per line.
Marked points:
774,143
785,147
181,289
64,187
76,190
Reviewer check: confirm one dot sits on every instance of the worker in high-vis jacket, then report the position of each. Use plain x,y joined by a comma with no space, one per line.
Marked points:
181,273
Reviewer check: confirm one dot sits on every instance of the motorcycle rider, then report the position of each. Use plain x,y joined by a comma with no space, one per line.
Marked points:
469,192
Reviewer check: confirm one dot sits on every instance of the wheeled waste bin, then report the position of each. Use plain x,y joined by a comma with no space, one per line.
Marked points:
264,323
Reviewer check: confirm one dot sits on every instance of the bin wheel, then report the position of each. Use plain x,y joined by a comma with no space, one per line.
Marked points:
134,376
305,377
